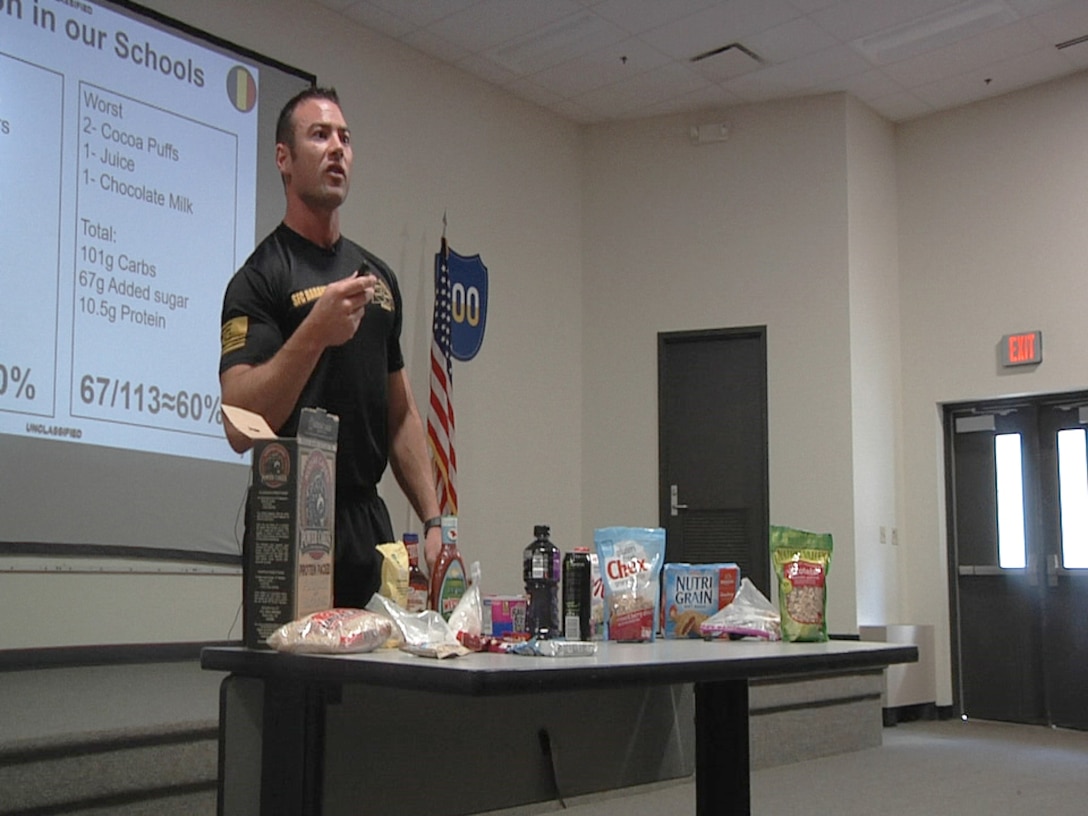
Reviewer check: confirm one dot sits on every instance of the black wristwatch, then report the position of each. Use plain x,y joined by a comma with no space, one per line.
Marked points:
431,523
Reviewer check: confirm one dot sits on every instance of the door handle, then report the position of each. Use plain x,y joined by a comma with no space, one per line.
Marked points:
1053,567
674,502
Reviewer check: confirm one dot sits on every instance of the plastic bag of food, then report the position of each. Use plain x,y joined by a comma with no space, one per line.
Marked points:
554,648
423,633
749,614
801,561
630,561
468,615
333,631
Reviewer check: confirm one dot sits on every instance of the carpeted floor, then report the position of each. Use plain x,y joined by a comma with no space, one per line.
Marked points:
946,768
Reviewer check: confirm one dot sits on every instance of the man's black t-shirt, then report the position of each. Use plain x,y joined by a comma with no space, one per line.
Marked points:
265,302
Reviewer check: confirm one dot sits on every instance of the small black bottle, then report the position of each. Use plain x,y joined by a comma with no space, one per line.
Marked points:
577,594
540,568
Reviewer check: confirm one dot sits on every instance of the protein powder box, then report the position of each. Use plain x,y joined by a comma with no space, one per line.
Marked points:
287,557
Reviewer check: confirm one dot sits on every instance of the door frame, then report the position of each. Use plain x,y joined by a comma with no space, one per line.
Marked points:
1034,520
762,573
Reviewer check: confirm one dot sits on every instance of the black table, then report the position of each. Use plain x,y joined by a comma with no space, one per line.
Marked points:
298,688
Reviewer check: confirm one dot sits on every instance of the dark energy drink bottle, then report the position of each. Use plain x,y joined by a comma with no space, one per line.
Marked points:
577,594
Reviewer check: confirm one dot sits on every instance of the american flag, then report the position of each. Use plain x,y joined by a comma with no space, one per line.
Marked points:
440,422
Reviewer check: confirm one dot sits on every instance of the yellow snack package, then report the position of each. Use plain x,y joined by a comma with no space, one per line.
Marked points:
394,572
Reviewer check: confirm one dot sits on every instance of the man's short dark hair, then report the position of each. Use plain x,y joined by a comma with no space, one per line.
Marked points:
285,127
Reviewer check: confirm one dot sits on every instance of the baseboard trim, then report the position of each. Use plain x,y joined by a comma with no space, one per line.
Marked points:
115,800
43,750
910,713
104,655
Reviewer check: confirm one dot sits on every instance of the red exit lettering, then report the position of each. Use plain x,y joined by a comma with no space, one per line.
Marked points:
1022,348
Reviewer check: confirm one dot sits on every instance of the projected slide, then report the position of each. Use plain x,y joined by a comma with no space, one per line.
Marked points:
128,176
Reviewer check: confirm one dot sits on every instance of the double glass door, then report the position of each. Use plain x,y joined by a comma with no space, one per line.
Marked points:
1018,490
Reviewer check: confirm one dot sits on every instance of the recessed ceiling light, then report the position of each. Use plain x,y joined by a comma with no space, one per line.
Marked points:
935,30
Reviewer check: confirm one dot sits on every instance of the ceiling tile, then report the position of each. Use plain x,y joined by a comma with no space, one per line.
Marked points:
442,48
617,62
1009,75
1026,7
378,19
966,55
1066,21
719,25
593,60
1076,56
638,16
809,6
338,5
487,70
489,23
792,39
673,79
557,42
422,12
852,19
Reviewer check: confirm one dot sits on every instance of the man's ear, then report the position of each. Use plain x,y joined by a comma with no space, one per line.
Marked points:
283,157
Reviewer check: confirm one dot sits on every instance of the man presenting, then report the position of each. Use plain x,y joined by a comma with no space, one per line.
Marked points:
314,320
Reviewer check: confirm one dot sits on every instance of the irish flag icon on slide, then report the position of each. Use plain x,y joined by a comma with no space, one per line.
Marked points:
241,88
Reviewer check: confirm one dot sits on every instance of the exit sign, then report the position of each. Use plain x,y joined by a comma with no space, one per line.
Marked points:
1025,348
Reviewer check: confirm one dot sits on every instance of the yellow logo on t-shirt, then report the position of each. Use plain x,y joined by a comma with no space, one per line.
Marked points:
233,334
383,295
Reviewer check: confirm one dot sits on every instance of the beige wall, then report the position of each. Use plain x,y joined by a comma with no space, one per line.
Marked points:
992,240
751,231
874,361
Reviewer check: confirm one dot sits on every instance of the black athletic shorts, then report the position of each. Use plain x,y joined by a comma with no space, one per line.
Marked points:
362,523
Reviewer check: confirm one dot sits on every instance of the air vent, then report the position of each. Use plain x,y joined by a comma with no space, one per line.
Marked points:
1070,43
737,47
727,62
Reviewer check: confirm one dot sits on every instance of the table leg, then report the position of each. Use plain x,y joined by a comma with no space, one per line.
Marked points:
292,748
722,784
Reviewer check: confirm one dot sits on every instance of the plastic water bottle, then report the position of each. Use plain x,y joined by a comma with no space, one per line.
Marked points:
540,568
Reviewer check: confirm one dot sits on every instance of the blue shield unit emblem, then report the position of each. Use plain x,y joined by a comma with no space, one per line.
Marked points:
468,305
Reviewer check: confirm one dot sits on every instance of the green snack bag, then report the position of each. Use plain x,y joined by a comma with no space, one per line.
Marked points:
801,561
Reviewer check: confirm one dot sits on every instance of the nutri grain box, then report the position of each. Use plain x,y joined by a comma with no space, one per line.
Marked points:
288,553
691,593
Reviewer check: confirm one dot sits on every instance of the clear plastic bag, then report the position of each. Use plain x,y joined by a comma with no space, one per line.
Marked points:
427,633
333,631
750,614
